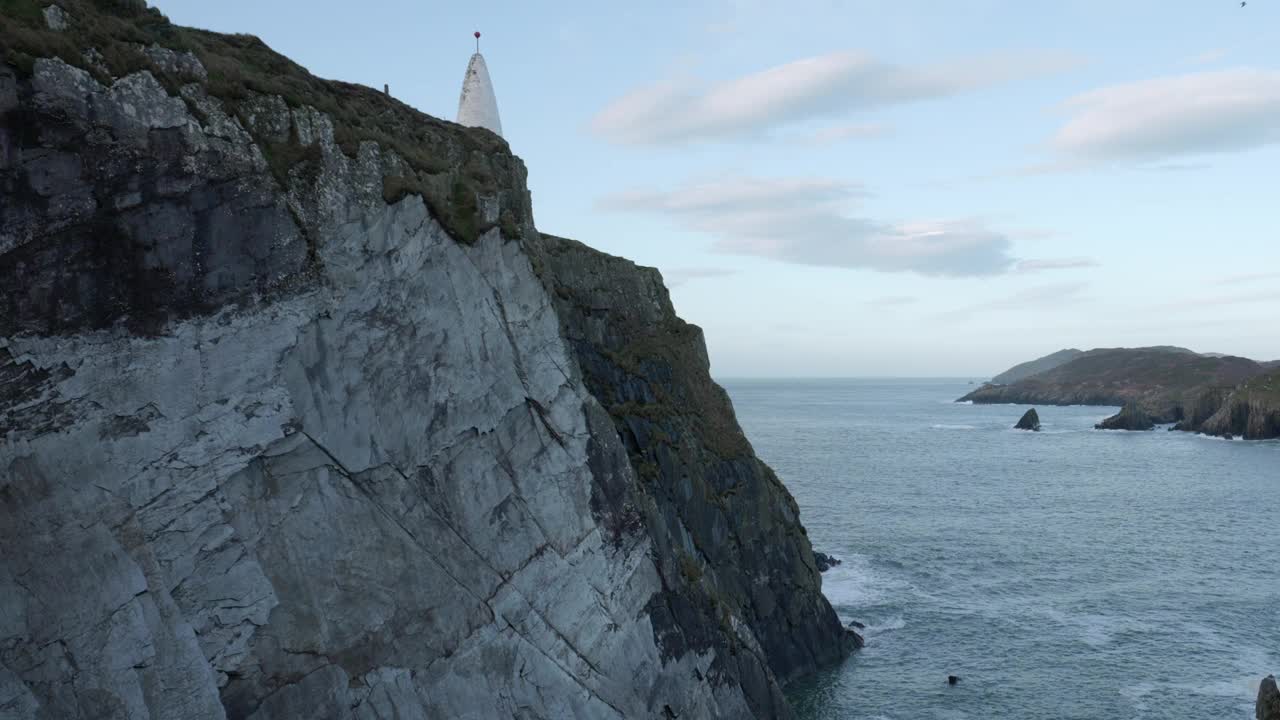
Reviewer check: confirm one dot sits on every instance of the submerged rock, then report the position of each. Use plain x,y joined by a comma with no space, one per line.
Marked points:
1030,421
824,561
1132,417
1268,706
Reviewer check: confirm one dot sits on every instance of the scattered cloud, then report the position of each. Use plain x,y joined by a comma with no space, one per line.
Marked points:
679,276
1037,298
842,133
688,110
807,222
1150,120
1179,167
1244,278
1214,301
1208,56
893,301
1030,266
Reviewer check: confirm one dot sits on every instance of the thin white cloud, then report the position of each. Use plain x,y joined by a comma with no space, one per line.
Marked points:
843,133
1195,113
808,222
680,111
1252,277
679,276
1033,298
1207,57
1214,301
893,301
1030,266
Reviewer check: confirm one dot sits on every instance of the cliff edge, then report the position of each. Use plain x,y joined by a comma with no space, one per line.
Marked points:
300,416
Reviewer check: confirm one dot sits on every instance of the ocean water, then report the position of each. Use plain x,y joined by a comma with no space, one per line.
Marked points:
1071,573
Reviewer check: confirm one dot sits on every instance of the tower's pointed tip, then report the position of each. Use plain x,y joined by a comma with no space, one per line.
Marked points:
478,107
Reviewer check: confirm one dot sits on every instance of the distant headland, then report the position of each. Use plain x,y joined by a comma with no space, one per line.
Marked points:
1210,393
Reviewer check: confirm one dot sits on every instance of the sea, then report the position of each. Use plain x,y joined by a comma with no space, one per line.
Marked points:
1070,573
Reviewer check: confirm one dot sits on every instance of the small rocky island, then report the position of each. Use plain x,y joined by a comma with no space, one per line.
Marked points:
1030,421
1214,394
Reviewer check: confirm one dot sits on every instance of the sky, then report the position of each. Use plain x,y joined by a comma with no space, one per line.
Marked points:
859,188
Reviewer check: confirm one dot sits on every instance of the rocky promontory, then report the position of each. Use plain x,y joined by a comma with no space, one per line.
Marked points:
1168,384
1130,417
1037,366
301,416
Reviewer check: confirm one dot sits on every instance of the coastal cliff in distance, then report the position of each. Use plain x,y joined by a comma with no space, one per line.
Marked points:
1160,385
1251,411
1037,366
300,416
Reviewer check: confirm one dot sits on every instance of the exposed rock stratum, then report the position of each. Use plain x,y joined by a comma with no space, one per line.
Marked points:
304,418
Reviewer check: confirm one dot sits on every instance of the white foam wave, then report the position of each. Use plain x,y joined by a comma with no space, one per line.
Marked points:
895,622
856,583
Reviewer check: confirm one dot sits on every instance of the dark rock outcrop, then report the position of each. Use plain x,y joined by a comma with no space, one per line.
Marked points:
1167,382
726,527
1030,421
1268,705
825,562
1130,417
300,416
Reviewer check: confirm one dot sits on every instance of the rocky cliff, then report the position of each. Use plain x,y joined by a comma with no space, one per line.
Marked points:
1251,411
301,417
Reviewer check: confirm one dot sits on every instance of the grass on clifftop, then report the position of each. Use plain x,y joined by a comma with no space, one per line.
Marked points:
1264,388
447,159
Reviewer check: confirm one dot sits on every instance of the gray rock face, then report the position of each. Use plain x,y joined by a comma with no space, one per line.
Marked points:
56,18
1268,706
286,450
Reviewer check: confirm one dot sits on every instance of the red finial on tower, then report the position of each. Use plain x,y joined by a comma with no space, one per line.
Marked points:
477,41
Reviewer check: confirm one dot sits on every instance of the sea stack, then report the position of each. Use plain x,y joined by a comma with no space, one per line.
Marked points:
1030,421
478,106
1268,707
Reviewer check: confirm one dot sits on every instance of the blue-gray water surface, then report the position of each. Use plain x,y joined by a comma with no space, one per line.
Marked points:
1070,573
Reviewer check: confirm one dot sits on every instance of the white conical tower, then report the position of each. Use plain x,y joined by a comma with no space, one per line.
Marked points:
478,107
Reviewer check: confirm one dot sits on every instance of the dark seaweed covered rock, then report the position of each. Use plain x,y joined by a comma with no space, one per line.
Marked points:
1131,417
1030,421
824,561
